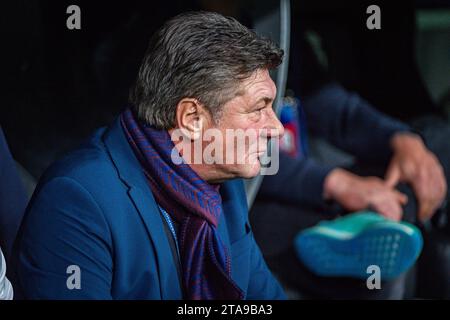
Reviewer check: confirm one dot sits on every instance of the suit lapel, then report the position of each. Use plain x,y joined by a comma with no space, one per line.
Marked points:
129,170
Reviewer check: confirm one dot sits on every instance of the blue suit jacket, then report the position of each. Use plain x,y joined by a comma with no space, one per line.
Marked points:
95,210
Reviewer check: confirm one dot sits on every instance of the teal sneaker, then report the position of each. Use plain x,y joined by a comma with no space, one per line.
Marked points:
347,246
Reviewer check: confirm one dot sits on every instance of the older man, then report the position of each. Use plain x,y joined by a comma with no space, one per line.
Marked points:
120,219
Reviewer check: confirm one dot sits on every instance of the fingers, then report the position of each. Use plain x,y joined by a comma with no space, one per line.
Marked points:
428,203
430,188
425,211
393,174
389,209
388,202
401,197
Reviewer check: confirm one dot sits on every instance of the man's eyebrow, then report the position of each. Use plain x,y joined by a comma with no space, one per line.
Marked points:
266,100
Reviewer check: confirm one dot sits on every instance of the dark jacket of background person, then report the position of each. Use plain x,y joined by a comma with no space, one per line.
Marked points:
13,198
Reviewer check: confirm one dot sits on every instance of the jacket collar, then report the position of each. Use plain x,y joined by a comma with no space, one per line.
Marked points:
130,172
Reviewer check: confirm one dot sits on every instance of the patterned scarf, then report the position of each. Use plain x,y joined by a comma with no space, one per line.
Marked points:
194,204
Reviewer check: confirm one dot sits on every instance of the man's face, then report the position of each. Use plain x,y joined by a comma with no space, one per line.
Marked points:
251,114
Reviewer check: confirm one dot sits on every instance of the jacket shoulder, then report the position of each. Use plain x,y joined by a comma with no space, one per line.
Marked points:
90,165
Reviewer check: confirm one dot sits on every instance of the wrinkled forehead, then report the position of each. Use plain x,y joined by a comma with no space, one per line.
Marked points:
258,85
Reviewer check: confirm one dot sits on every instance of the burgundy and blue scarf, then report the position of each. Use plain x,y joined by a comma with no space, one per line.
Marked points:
194,204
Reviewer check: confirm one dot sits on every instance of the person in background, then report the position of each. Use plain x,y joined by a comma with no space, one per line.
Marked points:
13,200
395,173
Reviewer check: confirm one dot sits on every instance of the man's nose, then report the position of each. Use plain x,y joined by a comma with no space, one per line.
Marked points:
274,125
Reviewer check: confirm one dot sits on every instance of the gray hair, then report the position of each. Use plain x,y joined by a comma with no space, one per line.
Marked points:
201,55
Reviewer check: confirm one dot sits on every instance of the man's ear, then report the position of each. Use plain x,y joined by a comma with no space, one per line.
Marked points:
192,117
